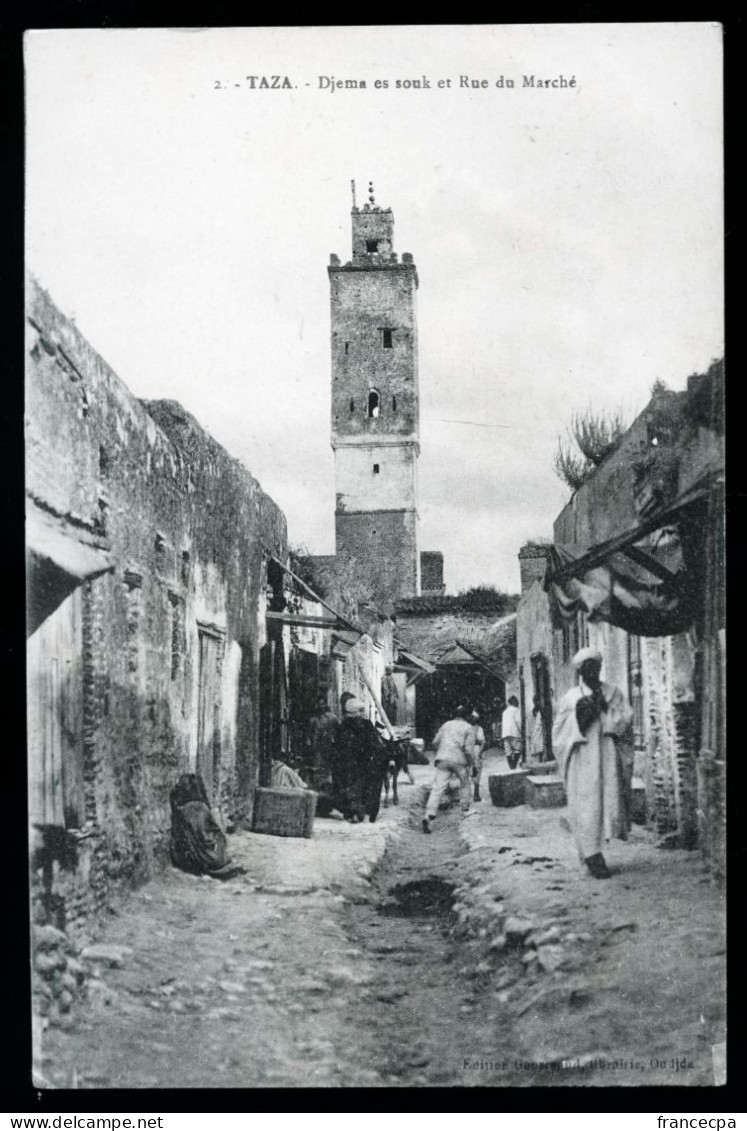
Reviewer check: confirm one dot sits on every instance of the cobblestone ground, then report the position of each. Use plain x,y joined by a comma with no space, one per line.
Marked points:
625,978
479,955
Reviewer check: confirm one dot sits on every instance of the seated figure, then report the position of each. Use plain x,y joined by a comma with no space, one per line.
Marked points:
198,843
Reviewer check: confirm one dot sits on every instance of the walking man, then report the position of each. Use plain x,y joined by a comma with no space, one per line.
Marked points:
480,743
455,757
511,732
595,754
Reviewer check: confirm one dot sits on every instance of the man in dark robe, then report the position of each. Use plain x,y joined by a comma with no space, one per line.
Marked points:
360,765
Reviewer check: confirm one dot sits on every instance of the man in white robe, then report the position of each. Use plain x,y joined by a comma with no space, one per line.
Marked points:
592,741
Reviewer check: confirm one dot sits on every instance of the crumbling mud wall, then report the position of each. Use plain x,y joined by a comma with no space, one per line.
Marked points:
164,645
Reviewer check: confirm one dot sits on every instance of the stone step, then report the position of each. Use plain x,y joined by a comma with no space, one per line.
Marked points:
508,789
545,791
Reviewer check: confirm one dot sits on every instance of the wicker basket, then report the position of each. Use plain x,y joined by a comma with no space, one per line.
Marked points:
284,812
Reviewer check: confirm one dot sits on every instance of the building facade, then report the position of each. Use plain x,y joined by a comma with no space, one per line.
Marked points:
636,570
472,648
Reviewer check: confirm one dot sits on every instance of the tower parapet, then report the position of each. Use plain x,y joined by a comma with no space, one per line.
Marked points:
373,239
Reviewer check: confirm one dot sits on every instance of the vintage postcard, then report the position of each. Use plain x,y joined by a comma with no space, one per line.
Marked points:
375,610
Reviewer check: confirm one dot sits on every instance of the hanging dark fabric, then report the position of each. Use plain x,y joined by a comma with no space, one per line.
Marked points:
648,583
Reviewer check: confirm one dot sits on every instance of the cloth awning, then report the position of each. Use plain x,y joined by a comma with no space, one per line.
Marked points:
59,558
646,581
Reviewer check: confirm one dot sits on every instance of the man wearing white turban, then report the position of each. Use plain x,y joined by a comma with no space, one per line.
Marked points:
592,741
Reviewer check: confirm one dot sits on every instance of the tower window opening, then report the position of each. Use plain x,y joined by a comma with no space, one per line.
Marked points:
387,339
372,246
352,405
347,347
394,404
160,550
376,469
374,403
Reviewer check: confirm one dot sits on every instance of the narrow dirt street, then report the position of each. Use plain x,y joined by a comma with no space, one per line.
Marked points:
374,955
239,984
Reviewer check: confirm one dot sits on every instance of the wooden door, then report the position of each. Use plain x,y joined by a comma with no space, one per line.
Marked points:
523,709
55,717
541,685
208,710
266,713
303,691
636,690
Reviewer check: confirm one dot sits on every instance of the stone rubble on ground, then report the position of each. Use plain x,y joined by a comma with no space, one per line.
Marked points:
539,943
110,955
58,977
550,957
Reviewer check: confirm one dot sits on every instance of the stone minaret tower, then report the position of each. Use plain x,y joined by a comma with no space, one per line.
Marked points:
375,409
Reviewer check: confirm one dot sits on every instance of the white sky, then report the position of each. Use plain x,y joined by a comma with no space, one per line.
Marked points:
568,242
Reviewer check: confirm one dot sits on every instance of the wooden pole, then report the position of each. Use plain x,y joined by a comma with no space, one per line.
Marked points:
315,597
479,660
377,704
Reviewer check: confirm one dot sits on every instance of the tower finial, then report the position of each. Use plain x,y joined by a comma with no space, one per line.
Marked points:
352,186
371,197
